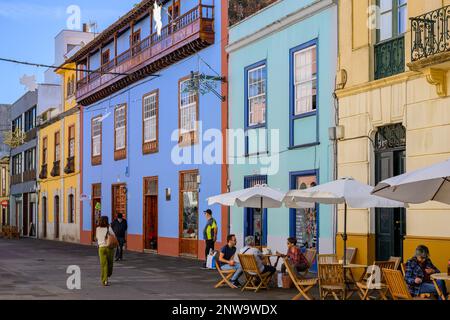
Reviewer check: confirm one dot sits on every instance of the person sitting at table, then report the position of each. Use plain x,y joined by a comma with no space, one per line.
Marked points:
226,259
295,256
251,249
418,271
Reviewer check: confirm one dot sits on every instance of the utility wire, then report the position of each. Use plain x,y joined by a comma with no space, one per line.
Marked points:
41,65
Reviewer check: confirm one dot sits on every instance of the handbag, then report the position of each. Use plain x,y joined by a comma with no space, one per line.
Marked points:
210,260
111,240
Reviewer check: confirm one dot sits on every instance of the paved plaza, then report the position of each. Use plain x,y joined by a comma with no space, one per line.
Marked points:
36,269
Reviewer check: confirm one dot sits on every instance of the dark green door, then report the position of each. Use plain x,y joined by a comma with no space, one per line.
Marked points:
389,223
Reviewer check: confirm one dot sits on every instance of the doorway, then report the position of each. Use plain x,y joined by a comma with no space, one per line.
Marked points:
25,213
151,213
4,222
44,217
255,221
390,223
119,201
96,208
188,218
56,217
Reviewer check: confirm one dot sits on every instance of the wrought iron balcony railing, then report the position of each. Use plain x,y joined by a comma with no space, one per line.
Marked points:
70,166
43,173
430,34
390,57
241,9
56,171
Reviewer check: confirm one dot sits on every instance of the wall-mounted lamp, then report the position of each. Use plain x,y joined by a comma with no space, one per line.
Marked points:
168,194
199,179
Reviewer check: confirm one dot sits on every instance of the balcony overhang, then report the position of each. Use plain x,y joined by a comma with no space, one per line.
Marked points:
148,57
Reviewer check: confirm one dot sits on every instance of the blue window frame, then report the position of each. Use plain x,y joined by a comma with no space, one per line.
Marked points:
255,104
253,226
303,87
304,223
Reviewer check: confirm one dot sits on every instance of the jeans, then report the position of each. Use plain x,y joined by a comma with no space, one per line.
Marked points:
236,267
428,287
209,246
119,250
106,262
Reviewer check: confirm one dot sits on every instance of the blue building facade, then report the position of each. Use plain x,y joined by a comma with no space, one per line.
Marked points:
282,62
146,129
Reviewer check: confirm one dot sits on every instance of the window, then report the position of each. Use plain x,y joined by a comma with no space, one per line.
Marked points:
44,151
17,124
30,158
30,119
188,109
71,141
71,208
305,80
256,95
189,203
17,164
96,151
393,18
150,122
120,132
303,223
57,149
71,85
105,57
3,181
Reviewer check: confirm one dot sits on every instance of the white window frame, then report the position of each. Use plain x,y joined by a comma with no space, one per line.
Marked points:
308,82
120,128
188,111
96,138
150,117
260,96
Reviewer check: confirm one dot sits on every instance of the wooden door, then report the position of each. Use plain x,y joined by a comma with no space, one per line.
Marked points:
134,43
151,213
96,208
57,217
119,201
189,211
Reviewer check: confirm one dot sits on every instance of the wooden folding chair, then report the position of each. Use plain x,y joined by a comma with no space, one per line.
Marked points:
331,280
225,275
350,255
310,255
397,285
397,261
327,258
403,268
302,285
255,279
368,286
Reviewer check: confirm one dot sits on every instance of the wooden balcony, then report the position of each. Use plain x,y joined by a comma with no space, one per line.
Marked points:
185,36
29,175
16,179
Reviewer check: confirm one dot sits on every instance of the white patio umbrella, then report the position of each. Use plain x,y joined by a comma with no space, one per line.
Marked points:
345,191
431,183
260,196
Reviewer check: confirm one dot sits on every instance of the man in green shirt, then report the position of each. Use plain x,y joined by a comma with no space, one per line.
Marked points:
209,233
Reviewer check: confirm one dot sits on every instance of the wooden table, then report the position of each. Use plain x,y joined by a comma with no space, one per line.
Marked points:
268,256
440,276
351,280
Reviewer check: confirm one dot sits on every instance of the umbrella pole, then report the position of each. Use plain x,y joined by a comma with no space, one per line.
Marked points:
344,236
262,222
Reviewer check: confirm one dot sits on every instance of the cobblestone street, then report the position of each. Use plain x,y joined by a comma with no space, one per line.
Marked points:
36,269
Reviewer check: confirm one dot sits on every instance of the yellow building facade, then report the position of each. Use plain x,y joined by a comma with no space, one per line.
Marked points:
392,88
4,191
59,177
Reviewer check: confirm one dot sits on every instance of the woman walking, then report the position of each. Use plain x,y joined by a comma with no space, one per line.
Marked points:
105,253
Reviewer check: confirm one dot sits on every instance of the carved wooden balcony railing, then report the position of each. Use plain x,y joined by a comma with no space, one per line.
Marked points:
30,135
390,57
43,173
70,167
430,34
16,179
56,171
185,36
29,175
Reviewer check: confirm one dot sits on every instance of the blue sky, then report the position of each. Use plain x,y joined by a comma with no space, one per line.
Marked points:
28,29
